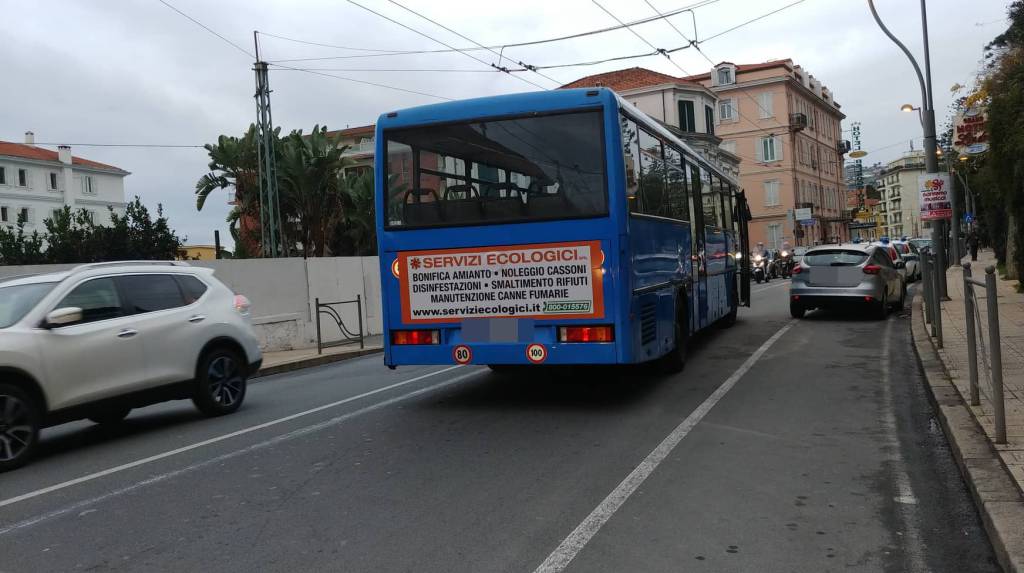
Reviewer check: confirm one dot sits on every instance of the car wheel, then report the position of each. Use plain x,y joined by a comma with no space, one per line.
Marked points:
675,360
882,310
110,417
797,310
220,382
20,418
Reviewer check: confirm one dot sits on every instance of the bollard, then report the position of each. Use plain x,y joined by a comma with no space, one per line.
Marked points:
319,341
359,311
936,297
926,280
972,352
996,354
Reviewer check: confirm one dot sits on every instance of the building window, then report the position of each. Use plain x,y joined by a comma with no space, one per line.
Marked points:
766,103
774,235
725,110
25,214
709,119
3,176
88,186
686,117
53,181
55,214
4,216
771,193
769,149
725,76
23,178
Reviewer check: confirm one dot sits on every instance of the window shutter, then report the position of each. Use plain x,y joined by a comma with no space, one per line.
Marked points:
767,102
759,151
778,147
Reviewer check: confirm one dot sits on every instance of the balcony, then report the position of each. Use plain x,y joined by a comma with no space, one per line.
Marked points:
798,121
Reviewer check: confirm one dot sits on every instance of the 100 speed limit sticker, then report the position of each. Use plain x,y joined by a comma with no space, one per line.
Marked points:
536,353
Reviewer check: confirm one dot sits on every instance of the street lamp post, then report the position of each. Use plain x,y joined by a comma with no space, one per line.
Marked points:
931,160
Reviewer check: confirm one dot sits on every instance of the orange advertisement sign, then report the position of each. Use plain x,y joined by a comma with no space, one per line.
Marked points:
548,280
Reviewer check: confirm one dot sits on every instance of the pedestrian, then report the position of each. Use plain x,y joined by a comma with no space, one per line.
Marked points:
972,244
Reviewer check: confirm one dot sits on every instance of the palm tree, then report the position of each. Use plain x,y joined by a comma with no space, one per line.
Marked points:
234,162
309,179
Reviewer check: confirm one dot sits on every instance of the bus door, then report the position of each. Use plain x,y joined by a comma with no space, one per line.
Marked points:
741,218
698,272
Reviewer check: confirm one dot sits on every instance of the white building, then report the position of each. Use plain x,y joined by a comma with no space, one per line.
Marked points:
35,182
897,186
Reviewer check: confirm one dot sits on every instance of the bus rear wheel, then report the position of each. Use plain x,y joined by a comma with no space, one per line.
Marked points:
675,360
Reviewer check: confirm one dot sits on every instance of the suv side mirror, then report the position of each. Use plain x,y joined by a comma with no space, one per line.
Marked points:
63,316
901,265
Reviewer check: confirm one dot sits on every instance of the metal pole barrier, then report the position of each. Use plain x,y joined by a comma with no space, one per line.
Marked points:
319,342
996,354
972,351
926,284
937,270
359,311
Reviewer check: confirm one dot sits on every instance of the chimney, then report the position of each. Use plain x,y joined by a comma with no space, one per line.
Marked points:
64,154
30,138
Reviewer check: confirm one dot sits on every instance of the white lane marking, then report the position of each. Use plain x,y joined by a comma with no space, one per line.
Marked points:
233,454
221,438
905,498
588,528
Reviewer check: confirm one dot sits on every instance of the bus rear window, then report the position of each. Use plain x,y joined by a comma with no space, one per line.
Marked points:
496,171
835,258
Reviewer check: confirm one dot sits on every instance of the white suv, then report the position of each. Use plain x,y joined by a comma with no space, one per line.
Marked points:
103,338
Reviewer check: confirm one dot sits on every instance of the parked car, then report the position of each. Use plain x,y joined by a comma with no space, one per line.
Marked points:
798,253
98,340
921,243
911,257
894,256
848,274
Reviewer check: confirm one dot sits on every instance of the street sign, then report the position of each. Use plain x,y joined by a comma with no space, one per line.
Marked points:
968,217
857,154
934,193
803,215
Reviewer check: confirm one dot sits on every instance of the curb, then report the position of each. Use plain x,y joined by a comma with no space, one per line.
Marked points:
319,360
994,491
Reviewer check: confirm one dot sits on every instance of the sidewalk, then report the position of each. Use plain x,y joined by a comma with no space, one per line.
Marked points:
994,473
288,360
954,355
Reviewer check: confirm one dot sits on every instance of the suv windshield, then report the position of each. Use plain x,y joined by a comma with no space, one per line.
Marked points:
496,171
17,300
835,258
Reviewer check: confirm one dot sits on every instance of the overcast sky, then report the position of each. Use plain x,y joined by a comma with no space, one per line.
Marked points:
136,72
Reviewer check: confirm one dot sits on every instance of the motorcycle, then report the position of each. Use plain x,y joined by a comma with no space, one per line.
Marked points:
785,264
759,270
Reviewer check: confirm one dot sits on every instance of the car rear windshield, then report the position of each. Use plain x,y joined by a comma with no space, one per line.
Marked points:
496,171
17,300
835,258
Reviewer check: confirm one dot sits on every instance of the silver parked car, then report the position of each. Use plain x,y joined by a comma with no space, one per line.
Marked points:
851,274
104,338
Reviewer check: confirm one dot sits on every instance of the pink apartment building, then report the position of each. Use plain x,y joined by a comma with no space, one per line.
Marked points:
785,128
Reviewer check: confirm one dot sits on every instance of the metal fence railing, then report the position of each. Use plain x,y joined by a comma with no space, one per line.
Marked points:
332,310
994,353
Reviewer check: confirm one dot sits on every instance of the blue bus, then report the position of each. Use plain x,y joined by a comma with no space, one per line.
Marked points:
561,227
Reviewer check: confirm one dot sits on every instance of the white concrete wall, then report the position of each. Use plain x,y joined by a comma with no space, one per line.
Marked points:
283,294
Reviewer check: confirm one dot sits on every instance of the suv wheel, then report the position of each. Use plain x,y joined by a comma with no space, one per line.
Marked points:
20,419
220,382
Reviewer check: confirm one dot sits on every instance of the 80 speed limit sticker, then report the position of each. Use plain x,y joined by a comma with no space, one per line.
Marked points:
462,354
536,353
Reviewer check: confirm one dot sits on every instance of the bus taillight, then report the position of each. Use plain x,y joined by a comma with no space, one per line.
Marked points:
415,337
586,334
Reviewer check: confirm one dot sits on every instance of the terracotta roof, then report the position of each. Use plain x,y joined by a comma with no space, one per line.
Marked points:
623,80
25,151
352,130
745,68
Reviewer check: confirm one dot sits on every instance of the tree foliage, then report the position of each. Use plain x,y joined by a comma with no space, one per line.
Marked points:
73,237
323,210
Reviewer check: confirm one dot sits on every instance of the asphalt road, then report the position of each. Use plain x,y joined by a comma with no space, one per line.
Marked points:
808,448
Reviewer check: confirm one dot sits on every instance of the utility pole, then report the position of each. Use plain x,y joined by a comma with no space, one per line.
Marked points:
931,159
270,211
